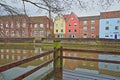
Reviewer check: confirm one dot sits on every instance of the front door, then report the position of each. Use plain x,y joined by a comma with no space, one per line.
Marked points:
115,36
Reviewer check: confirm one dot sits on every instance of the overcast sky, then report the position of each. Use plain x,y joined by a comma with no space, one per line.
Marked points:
93,8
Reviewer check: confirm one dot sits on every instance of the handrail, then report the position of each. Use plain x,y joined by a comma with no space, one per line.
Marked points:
89,59
92,59
35,69
14,64
93,51
17,63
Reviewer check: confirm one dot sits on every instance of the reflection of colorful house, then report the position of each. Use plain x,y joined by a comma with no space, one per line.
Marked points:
89,26
72,26
12,55
110,25
59,26
109,68
73,64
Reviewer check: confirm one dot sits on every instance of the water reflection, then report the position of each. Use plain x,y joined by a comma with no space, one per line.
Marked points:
8,55
90,66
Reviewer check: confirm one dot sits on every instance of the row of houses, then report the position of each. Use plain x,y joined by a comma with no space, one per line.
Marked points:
105,25
22,26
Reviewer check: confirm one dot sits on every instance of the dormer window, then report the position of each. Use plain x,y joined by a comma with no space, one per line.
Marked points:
75,24
69,24
72,18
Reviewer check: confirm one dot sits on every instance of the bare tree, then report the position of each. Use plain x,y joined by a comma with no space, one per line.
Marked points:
54,6
7,9
103,4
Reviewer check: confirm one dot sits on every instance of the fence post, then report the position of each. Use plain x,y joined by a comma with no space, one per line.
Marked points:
58,61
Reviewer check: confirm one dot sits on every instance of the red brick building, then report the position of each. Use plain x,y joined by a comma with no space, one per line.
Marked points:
41,27
22,26
89,26
14,26
72,26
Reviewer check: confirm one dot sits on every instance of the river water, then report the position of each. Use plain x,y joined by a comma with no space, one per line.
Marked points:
8,55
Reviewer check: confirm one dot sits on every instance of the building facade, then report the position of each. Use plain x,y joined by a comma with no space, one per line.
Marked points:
89,26
59,26
14,26
22,26
72,26
41,27
110,25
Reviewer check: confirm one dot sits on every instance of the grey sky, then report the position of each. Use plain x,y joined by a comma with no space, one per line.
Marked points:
92,8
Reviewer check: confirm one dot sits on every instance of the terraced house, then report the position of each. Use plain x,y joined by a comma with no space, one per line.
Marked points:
14,26
41,27
72,26
22,26
59,26
110,25
89,26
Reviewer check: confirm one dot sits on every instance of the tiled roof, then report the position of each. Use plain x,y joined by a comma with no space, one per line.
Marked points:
65,16
89,18
39,19
111,14
15,17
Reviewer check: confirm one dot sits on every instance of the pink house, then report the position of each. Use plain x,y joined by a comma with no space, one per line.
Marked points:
72,26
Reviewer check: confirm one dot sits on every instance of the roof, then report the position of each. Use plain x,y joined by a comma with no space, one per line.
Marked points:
110,14
14,17
89,18
65,16
39,19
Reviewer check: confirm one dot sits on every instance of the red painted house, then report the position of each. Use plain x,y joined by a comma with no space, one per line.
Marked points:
72,26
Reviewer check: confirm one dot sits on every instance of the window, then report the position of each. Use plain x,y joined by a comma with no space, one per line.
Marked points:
56,30
118,21
18,25
56,25
13,34
47,25
106,35
75,24
41,25
106,28
7,33
72,18
69,24
84,22
69,30
24,25
35,25
12,25
61,25
1,25
84,34
58,36
2,56
92,28
92,22
61,30
107,22
75,30
6,25
85,28
116,27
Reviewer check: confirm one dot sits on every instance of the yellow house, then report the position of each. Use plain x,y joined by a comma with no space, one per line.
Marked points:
59,26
